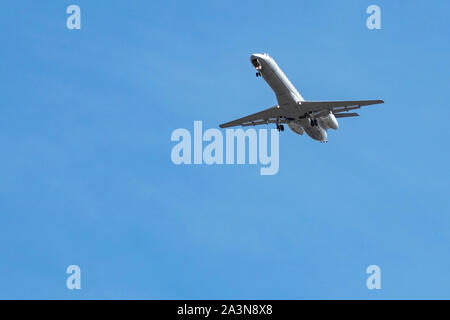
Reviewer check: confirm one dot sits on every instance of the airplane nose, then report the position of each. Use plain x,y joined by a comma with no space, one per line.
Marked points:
255,56
260,58
256,62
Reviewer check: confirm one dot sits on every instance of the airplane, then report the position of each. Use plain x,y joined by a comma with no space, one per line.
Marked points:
312,117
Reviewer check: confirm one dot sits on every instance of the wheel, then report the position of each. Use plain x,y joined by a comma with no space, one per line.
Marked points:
282,128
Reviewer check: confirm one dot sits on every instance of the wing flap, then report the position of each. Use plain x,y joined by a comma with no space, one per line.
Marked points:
261,122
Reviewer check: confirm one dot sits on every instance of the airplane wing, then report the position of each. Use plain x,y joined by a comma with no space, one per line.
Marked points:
335,106
264,117
305,108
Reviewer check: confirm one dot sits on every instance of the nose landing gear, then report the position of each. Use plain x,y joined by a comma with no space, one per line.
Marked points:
280,128
258,74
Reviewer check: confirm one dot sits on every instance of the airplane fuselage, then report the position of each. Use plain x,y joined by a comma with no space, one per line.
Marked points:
284,90
288,96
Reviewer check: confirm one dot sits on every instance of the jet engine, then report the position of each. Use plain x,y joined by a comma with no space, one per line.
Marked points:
329,122
296,127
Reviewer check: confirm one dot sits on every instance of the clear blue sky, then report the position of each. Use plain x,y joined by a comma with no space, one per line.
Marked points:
86,176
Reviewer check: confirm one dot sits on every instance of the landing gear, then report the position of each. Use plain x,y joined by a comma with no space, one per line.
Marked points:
258,74
313,122
280,128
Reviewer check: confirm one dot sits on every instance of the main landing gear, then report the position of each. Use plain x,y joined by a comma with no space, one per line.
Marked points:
280,128
313,122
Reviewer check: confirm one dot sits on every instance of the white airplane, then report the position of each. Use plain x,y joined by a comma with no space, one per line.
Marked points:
312,117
